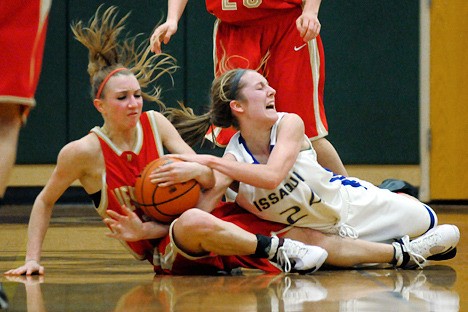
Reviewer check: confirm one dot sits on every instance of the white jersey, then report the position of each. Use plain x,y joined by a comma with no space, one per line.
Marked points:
312,196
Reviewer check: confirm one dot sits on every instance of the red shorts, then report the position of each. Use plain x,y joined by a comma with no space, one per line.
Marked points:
23,27
174,261
295,69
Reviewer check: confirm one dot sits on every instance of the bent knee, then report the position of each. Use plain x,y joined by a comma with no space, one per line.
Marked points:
195,221
307,235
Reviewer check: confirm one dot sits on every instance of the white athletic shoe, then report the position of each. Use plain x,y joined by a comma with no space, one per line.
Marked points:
437,244
294,256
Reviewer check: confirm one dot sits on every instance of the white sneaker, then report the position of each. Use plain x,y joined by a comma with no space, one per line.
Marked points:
437,244
294,256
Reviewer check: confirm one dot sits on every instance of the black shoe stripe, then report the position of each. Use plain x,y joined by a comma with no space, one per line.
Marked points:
448,254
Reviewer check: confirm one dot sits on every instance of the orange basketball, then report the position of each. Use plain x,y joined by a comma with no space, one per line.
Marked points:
164,204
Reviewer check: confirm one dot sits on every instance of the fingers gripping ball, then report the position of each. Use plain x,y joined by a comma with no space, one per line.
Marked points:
164,204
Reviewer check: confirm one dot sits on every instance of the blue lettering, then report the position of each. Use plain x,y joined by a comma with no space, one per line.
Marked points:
345,181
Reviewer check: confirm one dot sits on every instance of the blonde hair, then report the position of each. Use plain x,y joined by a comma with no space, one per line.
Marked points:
107,52
224,89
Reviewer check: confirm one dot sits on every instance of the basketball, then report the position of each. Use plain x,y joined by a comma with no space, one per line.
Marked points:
164,204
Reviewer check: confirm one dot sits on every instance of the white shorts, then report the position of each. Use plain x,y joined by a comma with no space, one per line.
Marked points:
380,215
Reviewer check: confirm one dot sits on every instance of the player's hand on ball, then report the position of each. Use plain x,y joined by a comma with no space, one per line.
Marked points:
174,172
171,192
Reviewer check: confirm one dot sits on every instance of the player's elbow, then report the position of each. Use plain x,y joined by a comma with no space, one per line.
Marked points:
272,182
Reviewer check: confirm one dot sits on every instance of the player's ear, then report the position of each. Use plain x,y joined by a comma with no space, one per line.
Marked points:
98,104
236,106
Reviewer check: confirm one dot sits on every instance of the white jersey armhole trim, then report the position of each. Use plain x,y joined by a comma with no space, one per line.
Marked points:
98,131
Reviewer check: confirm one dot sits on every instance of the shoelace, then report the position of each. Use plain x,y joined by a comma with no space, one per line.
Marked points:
348,231
417,258
283,260
294,250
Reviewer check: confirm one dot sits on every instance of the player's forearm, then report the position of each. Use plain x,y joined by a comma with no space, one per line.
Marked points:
257,175
154,230
175,9
205,177
211,198
312,6
37,228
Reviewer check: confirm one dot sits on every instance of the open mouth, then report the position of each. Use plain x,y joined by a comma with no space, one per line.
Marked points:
270,106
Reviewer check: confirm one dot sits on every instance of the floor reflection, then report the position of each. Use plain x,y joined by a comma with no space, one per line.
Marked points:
348,290
85,271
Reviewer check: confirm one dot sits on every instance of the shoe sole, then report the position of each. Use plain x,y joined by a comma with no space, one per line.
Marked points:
448,254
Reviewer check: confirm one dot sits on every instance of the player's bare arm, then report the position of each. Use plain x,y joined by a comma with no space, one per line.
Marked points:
269,175
72,164
164,32
211,198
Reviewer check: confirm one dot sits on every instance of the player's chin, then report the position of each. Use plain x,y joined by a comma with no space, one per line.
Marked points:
272,113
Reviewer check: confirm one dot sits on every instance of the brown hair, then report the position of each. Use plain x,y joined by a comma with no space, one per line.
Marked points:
224,89
107,53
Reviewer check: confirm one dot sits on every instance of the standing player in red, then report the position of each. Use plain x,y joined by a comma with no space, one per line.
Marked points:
279,39
23,27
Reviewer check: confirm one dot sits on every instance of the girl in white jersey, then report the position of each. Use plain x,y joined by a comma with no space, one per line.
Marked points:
279,178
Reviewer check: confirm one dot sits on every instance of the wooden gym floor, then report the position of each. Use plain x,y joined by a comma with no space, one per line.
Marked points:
86,271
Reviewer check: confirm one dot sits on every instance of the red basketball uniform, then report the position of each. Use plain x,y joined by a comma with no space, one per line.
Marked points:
172,260
122,169
23,27
245,34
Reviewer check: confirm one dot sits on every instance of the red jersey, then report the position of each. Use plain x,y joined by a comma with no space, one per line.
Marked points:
122,169
240,11
23,27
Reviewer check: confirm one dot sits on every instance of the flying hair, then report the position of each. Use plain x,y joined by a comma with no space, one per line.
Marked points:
109,48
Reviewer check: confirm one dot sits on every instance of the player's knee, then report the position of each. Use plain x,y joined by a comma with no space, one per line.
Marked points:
307,235
196,222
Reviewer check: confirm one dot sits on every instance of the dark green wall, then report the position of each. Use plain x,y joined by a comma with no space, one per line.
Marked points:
371,92
372,84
